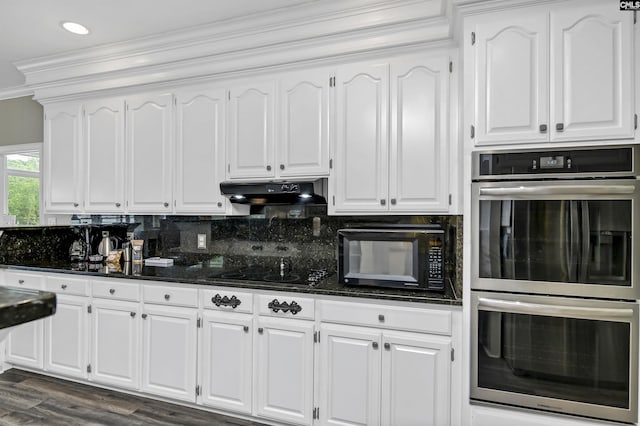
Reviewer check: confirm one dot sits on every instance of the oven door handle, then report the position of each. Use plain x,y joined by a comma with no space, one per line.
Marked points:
527,191
516,307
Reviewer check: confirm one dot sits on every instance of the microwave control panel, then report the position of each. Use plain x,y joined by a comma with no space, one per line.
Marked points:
435,265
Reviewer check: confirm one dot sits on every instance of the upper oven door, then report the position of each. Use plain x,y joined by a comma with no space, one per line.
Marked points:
557,237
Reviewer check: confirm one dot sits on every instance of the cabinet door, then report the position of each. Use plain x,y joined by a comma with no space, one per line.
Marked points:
62,154
303,148
115,331
169,352
419,166
362,142
104,142
226,361
250,150
592,72
349,375
416,381
149,143
512,77
25,345
65,342
200,159
284,370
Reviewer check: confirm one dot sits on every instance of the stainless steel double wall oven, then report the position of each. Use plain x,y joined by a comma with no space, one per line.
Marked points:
556,280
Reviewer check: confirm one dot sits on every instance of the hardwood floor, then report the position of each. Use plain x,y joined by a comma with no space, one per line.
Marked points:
32,399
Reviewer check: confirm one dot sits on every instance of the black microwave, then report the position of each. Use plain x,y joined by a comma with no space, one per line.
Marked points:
392,257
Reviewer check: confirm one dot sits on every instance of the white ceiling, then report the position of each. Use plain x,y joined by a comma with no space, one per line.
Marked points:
31,28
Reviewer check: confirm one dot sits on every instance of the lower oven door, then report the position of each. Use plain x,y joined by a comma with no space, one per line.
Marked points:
574,356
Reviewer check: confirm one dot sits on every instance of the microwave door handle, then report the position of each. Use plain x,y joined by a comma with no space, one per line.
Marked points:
579,312
537,190
586,242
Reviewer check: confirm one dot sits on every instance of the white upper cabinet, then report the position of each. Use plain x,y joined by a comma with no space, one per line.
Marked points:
362,139
303,148
512,78
62,158
199,156
541,75
591,72
419,154
149,148
391,152
104,145
251,131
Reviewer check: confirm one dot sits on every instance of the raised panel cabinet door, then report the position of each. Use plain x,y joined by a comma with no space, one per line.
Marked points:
511,79
419,166
200,159
416,379
115,347
25,345
104,144
284,370
149,148
250,150
65,341
62,154
169,352
303,148
226,361
350,360
592,72
360,179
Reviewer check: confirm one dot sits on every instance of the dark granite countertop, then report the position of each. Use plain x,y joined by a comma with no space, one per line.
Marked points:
18,306
201,275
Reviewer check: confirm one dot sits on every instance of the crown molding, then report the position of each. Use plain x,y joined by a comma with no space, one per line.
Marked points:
15,92
322,29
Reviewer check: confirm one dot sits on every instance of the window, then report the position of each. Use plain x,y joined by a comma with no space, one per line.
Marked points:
21,184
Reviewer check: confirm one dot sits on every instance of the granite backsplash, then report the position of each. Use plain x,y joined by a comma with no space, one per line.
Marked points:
308,243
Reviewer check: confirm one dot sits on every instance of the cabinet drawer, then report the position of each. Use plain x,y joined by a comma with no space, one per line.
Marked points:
67,285
113,289
286,306
24,280
227,300
166,295
400,318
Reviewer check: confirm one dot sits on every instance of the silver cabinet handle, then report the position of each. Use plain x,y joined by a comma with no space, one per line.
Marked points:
554,310
558,190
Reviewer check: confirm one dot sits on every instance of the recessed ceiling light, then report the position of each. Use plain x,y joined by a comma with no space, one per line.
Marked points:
75,28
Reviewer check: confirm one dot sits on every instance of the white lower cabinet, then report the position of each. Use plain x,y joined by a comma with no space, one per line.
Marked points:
65,337
169,346
115,343
226,355
375,376
284,369
25,344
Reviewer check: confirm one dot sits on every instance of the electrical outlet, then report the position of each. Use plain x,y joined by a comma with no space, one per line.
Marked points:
202,241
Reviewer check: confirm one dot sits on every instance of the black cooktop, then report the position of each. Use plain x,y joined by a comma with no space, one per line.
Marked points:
307,276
